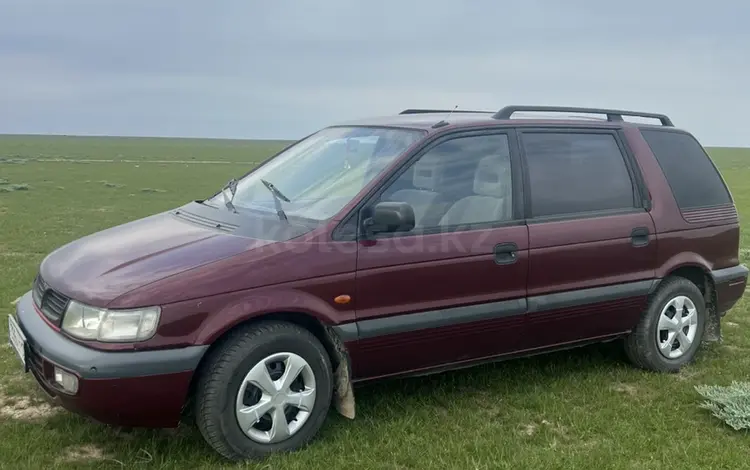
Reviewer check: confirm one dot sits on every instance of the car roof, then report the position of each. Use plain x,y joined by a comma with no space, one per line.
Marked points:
422,121
427,119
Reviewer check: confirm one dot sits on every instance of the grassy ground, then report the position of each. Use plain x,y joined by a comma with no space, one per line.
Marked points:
581,409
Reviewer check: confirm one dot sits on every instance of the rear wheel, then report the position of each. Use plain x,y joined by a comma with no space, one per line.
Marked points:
267,388
671,329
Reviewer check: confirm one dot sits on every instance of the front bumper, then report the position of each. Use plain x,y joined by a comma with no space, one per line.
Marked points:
132,388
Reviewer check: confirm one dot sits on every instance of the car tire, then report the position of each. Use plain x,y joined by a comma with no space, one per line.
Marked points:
648,345
219,404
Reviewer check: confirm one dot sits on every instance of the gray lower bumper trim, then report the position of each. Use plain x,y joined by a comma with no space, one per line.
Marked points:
730,274
93,364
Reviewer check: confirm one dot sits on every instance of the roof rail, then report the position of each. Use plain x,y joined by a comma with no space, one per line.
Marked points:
428,111
613,115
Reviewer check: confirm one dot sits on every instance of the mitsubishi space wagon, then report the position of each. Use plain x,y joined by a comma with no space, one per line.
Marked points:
408,244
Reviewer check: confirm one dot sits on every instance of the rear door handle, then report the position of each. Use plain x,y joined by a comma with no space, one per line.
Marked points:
639,236
506,253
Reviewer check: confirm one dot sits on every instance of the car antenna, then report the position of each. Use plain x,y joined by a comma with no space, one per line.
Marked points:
443,122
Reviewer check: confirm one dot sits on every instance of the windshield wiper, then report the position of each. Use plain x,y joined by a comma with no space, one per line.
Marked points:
232,186
278,196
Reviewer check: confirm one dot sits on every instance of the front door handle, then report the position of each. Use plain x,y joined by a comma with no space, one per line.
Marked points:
506,253
639,236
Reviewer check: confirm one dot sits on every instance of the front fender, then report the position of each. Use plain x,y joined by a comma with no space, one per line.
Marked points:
255,305
246,306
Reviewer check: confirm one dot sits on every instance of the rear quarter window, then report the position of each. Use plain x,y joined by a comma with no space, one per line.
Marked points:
692,176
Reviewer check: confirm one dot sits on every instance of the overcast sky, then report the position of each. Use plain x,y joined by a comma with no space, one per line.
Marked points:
281,69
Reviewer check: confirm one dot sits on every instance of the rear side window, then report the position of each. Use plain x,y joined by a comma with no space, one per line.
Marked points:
576,172
694,180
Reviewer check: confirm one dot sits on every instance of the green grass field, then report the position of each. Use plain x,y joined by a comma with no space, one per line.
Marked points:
586,408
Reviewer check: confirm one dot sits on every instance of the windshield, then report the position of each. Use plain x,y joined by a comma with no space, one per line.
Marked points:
321,174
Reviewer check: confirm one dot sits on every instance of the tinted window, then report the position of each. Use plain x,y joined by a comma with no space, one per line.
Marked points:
576,172
462,181
691,175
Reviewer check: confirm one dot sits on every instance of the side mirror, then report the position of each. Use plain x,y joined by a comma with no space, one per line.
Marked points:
389,217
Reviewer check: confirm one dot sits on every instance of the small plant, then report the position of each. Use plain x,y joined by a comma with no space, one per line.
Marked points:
5,187
19,161
730,404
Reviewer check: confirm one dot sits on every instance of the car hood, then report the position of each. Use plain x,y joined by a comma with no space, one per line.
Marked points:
98,268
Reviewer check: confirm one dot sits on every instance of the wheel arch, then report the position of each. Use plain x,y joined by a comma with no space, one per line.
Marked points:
693,272
700,275
343,393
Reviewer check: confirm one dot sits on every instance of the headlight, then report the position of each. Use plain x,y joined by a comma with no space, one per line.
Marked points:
100,324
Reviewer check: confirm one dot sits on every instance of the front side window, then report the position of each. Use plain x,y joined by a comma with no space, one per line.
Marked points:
462,181
318,176
572,173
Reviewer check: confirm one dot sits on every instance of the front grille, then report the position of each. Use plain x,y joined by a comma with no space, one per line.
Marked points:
51,303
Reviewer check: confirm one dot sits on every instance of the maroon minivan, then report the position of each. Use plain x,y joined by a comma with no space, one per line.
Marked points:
402,245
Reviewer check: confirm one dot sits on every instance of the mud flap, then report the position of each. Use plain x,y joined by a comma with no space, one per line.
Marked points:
344,397
712,333
343,394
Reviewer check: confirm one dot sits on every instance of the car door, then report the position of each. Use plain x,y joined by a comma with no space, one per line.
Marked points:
453,288
592,243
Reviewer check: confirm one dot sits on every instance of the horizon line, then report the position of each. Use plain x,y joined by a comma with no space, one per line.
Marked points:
132,136
255,139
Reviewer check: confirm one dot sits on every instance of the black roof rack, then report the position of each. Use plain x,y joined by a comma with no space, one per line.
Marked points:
430,111
613,115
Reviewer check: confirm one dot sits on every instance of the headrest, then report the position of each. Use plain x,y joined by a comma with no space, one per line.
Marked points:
429,172
492,177
375,166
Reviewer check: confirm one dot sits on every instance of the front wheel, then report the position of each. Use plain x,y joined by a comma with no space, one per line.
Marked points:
267,388
671,329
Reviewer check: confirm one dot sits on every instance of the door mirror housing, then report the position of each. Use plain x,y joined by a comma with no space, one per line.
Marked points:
389,217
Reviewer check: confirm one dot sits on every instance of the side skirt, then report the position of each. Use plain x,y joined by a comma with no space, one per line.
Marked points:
492,359
376,327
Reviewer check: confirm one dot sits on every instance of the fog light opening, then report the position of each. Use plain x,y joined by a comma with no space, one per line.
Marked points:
67,381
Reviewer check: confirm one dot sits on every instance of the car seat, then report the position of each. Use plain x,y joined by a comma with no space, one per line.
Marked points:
428,175
492,196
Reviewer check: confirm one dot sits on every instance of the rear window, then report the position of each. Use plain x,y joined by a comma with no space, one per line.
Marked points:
694,179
